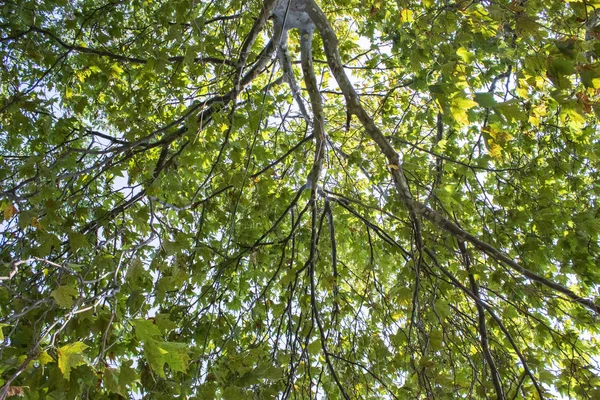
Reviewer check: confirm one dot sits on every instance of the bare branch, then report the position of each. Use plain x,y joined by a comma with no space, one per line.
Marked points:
481,325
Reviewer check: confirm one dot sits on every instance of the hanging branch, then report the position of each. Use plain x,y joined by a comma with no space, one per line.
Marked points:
483,333
497,319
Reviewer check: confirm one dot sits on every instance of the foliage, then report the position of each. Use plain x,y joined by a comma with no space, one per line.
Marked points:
159,241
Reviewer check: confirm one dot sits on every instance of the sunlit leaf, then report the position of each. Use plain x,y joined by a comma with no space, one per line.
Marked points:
71,356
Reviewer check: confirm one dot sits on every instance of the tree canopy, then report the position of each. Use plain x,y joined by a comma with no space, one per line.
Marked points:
410,211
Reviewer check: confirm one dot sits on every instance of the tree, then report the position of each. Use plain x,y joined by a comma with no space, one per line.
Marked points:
175,226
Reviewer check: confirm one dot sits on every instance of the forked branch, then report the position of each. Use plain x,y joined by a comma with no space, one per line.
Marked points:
415,208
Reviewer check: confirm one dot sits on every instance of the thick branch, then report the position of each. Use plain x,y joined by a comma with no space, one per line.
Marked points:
317,107
283,54
491,251
312,183
330,44
259,23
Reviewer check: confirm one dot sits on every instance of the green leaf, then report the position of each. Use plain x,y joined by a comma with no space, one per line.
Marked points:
45,358
65,295
590,76
137,275
154,207
462,102
164,323
111,381
77,241
314,347
233,393
485,100
442,308
268,371
159,353
127,374
465,55
145,329
561,66
511,110
120,380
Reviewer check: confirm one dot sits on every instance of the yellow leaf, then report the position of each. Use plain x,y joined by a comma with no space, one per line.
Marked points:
407,15
494,149
81,75
459,107
1,333
459,115
9,211
115,70
465,55
45,358
71,356
463,102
